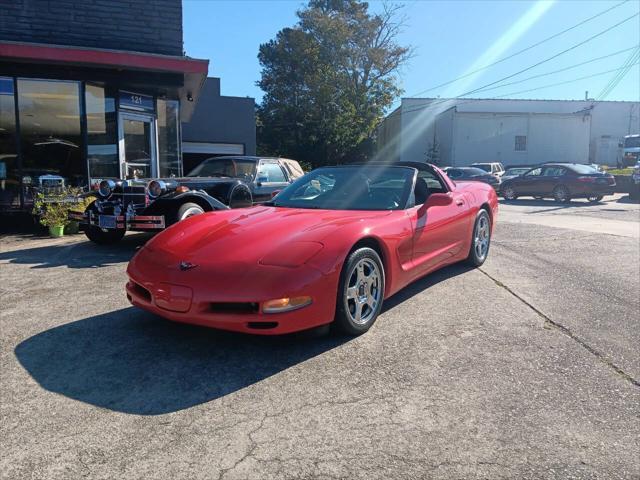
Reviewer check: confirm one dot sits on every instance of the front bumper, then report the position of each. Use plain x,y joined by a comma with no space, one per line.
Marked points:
119,222
230,300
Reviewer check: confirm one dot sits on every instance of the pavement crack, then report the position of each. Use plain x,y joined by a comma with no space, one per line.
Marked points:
550,323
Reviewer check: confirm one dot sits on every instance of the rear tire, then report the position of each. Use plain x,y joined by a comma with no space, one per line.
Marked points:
509,193
360,292
240,197
480,239
561,194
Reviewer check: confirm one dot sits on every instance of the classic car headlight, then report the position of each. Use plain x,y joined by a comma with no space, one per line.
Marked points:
281,305
106,187
156,188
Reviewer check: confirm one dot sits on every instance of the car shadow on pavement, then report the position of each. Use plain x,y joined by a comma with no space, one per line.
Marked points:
84,254
133,362
424,283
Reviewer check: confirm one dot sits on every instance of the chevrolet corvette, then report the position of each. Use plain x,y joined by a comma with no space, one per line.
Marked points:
329,248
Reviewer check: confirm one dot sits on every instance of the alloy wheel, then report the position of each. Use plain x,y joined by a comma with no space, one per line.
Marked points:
561,194
362,291
481,239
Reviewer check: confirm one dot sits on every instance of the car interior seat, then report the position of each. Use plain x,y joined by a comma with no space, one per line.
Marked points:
421,191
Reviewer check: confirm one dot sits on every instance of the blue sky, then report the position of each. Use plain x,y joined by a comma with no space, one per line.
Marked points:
450,38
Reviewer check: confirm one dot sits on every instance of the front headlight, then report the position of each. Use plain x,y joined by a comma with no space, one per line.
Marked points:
106,187
156,188
281,305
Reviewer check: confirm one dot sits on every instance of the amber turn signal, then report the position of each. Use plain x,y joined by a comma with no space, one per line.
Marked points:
279,305
182,189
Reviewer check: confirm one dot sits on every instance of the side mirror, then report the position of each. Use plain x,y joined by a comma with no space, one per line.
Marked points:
275,192
437,200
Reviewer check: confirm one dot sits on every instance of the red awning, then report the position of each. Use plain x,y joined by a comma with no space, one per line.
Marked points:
101,58
194,70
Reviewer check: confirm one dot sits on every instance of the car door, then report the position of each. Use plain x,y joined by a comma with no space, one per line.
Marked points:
528,184
438,231
269,177
551,177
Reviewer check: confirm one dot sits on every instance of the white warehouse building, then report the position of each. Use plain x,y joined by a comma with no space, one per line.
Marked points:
458,132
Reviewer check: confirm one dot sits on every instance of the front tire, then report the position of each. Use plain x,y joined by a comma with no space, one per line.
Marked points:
103,236
561,194
481,239
187,210
360,292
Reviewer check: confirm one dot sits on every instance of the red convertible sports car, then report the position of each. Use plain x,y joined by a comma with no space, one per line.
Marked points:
329,248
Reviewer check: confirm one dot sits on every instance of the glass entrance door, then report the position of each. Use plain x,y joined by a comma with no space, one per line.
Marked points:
138,141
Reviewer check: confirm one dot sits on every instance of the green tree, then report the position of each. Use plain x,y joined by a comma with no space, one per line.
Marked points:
328,81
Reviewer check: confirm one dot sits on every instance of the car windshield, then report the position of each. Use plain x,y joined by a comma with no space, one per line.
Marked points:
349,188
632,142
225,167
516,171
483,166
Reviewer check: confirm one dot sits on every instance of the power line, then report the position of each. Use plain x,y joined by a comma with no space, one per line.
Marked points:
521,51
421,107
556,55
483,87
565,82
562,69
613,83
618,77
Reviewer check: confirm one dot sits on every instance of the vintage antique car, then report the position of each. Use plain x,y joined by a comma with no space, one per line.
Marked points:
328,248
151,205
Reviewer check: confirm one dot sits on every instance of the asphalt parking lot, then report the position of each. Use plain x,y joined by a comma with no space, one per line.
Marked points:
526,368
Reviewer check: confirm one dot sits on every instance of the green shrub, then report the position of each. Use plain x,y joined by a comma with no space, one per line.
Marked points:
52,208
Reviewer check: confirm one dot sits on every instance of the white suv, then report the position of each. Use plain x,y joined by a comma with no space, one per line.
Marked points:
496,169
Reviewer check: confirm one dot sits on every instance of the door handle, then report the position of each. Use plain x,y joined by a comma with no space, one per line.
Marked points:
459,202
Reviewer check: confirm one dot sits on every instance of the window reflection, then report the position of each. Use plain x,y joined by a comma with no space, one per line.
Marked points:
102,134
138,148
168,138
9,174
50,133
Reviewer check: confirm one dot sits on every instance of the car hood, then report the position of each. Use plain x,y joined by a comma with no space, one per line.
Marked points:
245,236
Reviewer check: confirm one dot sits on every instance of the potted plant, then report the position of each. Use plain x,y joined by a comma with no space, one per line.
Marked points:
52,211
80,204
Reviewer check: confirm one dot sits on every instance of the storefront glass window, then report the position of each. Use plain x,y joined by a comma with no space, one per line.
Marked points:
169,138
9,174
102,134
50,136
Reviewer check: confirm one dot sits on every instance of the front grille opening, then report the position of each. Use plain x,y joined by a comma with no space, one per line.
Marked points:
141,291
262,325
234,307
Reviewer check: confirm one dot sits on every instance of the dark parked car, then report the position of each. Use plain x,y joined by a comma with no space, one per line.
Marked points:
216,184
560,181
465,174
